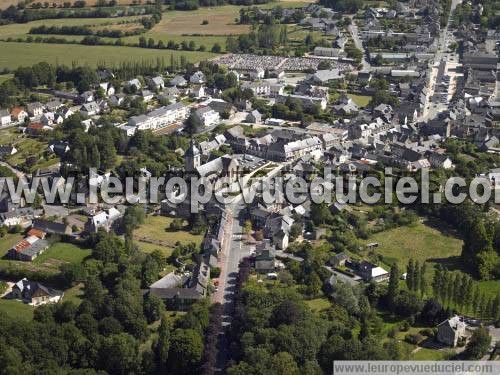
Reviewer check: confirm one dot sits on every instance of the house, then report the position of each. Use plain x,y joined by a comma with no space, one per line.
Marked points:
86,97
19,216
339,260
345,106
30,247
116,100
197,78
156,83
370,272
178,81
440,161
90,109
35,293
265,260
254,117
59,148
47,118
450,331
307,101
364,77
257,73
53,105
18,114
106,219
207,116
5,118
327,52
181,291
222,107
66,112
198,91
147,95
322,77
37,128
133,84
160,118
51,227
7,151
107,88
35,109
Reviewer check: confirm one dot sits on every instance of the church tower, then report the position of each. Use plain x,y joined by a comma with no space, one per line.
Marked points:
192,157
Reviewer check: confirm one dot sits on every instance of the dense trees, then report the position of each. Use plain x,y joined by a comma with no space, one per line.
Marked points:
478,344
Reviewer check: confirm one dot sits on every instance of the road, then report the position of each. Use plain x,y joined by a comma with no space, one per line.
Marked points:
17,172
353,29
432,109
233,252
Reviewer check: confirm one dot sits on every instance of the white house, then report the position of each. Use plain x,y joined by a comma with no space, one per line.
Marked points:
198,91
66,112
161,117
18,114
5,117
35,109
134,83
207,116
108,88
47,118
90,109
156,83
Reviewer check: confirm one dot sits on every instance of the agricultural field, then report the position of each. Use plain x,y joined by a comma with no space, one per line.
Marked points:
155,234
24,54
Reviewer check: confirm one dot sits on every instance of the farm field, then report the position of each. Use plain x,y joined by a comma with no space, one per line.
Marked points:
31,53
176,26
156,228
62,252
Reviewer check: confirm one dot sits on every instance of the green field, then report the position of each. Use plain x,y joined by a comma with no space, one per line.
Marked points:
23,54
156,228
74,294
8,241
177,26
360,100
421,242
62,252
16,309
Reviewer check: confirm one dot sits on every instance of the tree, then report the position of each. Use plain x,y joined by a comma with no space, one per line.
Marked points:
153,308
193,124
186,349
216,48
478,344
410,273
247,228
393,287
119,354
162,346
423,281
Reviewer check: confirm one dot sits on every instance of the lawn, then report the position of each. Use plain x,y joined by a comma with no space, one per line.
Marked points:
27,147
30,53
9,240
360,100
62,252
16,309
318,304
74,294
156,230
5,77
422,242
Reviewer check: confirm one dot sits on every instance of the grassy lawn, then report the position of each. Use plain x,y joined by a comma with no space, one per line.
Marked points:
31,53
491,288
62,252
27,147
425,354
16,309
318,304
360,100
8,241
74,294
5,77
148,248
156,228
421,242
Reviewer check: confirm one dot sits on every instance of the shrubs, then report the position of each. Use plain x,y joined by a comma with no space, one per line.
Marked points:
414,338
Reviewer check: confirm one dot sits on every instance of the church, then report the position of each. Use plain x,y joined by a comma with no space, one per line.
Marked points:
226,166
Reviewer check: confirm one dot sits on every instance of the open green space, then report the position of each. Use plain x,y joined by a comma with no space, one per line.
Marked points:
16,309
430,242
62,252
74,294
360,100
7,241
155,231
20,54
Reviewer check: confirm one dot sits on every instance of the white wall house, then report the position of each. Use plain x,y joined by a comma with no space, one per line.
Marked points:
161,117
207,116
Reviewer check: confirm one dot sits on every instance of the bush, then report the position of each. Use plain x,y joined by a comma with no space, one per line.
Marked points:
215,272
204,22
414,338
429,332
405,326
